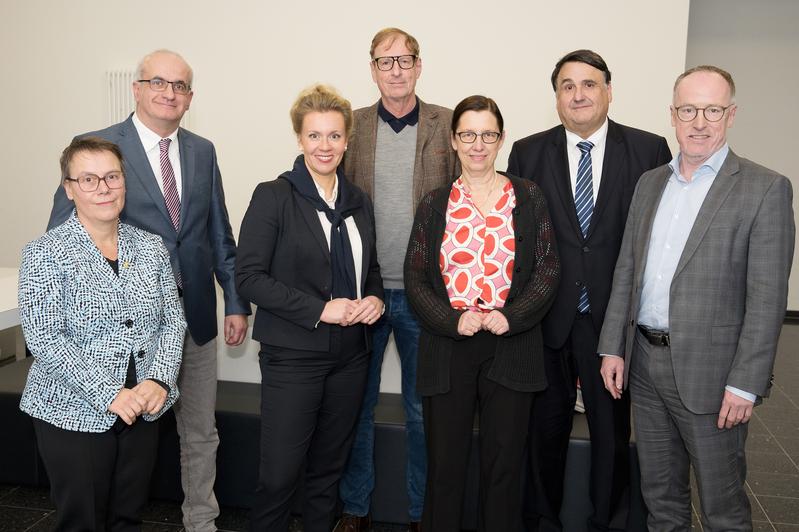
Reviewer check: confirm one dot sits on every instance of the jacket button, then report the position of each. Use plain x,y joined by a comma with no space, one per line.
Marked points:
128,323
177,243
578,283
632,322
141,353
516,212
510,300
586,249
518,269
520,238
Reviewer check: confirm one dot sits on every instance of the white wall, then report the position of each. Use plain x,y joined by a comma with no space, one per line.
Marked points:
758,43
251,58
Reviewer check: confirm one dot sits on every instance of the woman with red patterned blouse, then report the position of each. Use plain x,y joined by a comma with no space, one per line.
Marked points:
480,272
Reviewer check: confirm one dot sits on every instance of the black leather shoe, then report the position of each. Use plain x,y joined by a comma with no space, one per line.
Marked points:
353,523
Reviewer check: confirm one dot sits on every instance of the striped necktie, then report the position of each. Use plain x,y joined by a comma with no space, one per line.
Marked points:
171,197
584,203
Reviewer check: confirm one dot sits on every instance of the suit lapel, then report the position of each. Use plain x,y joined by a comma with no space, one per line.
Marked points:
187,164
367,142
613,161
137,166
719,190
427,127
311,216
559,163
649,202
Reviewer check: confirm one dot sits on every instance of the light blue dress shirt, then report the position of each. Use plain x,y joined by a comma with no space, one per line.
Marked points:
677,211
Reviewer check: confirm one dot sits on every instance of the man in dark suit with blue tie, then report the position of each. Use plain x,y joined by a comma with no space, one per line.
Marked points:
587,168
174,190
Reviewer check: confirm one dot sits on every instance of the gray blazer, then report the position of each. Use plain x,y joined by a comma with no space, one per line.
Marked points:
729,292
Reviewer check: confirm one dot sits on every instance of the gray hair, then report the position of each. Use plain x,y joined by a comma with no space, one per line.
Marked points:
140,66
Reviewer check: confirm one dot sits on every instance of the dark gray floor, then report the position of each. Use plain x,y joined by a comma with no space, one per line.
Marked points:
772,481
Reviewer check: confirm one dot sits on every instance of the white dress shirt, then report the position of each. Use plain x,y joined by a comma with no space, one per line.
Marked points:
149,140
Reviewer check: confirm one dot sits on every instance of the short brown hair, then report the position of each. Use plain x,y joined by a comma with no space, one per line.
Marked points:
477,102
708,68
87,144
392,33
320,98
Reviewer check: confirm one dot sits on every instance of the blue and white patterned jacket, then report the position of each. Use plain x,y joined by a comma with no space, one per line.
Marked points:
82,322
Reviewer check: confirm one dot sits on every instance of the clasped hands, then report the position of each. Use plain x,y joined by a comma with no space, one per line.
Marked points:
472,321
147,397
344,312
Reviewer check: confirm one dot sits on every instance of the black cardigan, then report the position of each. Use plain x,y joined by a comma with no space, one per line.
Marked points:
518,360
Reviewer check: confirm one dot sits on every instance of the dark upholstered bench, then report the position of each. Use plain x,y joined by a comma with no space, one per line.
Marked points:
237,459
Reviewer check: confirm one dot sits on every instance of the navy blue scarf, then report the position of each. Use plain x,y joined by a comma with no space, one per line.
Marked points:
347,202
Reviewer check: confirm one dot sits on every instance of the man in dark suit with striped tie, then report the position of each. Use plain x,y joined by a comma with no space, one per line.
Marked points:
587,168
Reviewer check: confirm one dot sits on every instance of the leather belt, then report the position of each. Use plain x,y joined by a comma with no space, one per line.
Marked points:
658,338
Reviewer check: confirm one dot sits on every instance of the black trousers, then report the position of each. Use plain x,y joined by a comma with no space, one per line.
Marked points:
550,428
310,402
448,423
98,481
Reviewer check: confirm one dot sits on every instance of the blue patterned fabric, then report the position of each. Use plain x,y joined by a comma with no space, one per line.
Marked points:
82,323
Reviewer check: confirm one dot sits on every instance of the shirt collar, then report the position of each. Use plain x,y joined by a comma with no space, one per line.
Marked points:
149,138
332,202
398,124
597,138
709,167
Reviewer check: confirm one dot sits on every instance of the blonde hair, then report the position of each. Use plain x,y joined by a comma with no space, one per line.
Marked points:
321,99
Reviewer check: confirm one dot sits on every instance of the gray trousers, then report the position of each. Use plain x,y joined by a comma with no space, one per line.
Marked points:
670,438
195,413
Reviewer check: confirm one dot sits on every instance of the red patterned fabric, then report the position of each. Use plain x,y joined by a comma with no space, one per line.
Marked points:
477,253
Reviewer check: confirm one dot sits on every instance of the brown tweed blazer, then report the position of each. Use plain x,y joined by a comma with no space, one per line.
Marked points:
436,162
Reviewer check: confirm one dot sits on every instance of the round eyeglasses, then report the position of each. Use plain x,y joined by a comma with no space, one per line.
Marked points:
712,113
405,62
488,137
159,85
90,182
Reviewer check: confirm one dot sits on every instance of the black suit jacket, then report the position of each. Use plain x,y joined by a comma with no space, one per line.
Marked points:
542,157
283,265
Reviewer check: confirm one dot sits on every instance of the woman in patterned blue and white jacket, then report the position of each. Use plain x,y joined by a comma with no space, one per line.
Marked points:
100,312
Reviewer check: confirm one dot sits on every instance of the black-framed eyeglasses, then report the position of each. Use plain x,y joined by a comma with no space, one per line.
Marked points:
405,62
489,137
159,85
90,182
713,113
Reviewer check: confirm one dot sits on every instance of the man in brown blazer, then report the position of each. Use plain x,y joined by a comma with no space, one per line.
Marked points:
400,149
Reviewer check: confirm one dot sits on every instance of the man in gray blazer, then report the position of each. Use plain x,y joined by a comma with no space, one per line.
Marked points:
399,151
698,299
174,190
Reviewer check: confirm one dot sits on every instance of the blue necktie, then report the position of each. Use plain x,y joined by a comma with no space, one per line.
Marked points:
584,203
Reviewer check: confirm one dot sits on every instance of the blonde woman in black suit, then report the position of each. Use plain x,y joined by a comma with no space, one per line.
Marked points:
307,259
